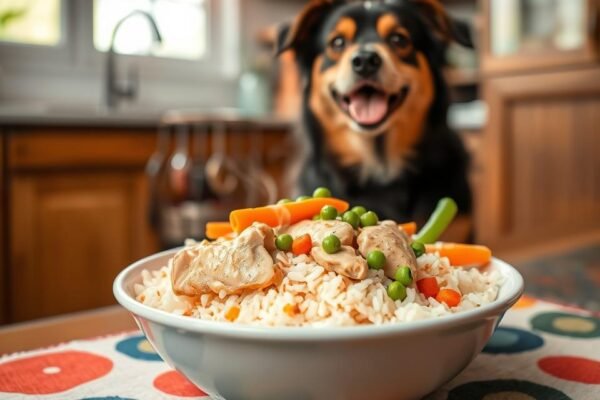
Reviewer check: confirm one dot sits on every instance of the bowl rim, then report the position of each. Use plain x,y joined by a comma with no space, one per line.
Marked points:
253,332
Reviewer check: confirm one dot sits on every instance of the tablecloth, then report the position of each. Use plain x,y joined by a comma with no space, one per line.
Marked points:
540,351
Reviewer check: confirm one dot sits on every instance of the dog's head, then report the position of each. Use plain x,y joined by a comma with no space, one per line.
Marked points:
368,68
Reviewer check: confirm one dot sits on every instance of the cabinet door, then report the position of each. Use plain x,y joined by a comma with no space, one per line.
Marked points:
3,258
71,233
540,157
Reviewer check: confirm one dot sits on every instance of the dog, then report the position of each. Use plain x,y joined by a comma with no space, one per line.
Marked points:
375,103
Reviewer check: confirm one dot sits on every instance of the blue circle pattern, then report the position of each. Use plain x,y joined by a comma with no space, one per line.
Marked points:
512,340
108,398
130,347
478,390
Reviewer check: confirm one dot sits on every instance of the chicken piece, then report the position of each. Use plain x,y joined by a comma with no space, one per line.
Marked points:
344,262
393,242
319,230
230,265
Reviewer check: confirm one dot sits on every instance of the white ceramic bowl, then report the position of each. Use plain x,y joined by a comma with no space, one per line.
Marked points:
396,361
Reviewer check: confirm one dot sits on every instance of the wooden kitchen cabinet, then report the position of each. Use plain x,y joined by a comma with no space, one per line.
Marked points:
3,227
541,171
77,215
75,204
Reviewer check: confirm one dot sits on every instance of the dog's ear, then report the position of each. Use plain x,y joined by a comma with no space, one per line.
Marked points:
292,36
443,26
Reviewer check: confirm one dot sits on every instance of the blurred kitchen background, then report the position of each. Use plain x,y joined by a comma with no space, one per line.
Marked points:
126,124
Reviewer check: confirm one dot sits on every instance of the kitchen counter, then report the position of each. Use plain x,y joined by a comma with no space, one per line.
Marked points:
42,115
75,116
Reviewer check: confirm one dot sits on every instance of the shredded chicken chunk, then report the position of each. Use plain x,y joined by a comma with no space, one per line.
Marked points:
319,230
229,265
345,262
393,242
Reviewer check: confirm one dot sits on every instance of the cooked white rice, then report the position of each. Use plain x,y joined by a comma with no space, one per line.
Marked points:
309,295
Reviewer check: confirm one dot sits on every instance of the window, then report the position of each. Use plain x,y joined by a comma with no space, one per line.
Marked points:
35,22
181,23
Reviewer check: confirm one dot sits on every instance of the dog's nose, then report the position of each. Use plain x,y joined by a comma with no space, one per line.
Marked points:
366,63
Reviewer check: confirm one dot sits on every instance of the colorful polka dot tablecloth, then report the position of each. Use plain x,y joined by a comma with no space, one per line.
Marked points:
540,351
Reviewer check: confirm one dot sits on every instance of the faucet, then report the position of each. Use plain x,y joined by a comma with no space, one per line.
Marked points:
113,91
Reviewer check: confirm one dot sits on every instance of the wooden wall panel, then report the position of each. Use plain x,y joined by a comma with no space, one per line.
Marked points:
541,170
555,179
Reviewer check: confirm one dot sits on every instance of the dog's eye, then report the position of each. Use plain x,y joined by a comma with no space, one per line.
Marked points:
398,40
338,43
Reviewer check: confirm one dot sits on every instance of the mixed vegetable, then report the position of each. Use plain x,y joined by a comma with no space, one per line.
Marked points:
321,206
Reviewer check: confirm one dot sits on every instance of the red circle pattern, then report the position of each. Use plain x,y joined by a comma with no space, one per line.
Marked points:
175,384
63,372
575,369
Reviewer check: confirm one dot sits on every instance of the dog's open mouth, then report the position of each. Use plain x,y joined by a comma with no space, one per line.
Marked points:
369,105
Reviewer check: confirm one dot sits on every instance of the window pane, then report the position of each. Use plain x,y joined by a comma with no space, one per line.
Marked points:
30,21
182,25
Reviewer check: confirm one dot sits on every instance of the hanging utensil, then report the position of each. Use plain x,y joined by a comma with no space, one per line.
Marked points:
263,180
179,166
198,185
154,169
218,167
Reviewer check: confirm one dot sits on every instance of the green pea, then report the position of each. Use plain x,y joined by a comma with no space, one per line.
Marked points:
302,198
331,244
328,213
352,218
284,201
418,248
284,242
404,276
369,219
322,192
396,291
359,210
316,217
376,259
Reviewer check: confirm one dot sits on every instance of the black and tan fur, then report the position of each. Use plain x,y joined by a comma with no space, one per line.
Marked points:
403,164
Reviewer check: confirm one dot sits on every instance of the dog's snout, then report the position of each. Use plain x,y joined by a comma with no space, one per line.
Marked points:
366,63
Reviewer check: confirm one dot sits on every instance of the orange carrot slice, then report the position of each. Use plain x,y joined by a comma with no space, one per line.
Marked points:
428,286
232,314
283,214
449,296
462,254
410,228
302,245
215,230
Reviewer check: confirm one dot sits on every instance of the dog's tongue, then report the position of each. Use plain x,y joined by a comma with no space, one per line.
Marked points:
368,109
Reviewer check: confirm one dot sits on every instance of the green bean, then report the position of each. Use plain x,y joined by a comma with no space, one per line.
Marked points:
439,220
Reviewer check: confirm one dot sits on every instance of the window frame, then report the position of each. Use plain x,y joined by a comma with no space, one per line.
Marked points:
76,53
14,53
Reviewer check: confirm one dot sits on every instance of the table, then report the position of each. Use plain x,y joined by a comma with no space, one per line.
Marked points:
540,351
